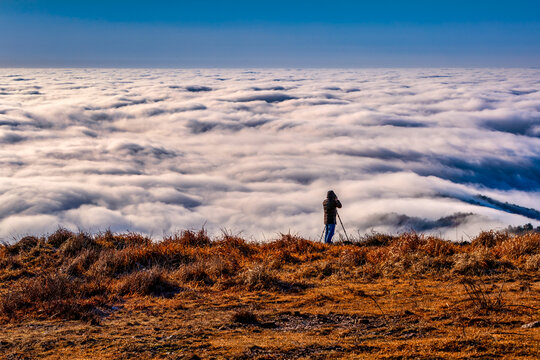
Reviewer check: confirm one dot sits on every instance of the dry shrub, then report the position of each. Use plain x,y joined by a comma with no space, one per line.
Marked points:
111,263
410,243
322,269
397,265
109,239
207,270
353,257
413,254
79,265
59,237
116,262
478,263
195,273
433,256
533,263
222,266
480,295
309,271
190,238
97,286
293,245
147,282
371,271
77,243
519,245
49,296
432,265
9,262
333,267
437,247
343,261
376,239
414,264
259,278
235,244
25,244
489,239
327,268
377,255
280,258
244,317
406,243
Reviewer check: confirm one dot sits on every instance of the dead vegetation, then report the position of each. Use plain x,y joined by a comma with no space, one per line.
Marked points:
343,300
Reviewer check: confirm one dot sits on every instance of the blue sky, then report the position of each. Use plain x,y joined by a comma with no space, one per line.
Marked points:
269,34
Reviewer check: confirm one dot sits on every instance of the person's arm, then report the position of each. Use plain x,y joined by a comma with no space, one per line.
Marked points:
338,203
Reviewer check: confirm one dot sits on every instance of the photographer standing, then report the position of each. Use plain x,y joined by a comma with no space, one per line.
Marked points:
330,205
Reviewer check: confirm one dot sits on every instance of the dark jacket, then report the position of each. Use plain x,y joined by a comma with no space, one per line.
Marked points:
330,205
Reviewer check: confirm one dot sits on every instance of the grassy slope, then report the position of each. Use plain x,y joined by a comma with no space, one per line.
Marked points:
409,296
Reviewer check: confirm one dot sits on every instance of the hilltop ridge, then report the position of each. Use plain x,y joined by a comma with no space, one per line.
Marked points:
120,296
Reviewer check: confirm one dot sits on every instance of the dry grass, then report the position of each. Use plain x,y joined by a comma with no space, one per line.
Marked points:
244,317
147,282
406,296
52,296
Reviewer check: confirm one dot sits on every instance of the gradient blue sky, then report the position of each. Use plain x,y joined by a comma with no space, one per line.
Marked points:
39,33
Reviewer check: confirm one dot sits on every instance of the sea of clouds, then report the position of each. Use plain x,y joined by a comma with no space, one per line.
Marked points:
445,151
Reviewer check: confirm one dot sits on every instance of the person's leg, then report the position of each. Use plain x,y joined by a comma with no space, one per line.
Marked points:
325,233
330,228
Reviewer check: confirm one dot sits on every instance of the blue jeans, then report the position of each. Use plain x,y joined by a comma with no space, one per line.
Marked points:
329,232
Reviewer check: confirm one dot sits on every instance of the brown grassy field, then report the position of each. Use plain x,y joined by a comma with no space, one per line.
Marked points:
120,296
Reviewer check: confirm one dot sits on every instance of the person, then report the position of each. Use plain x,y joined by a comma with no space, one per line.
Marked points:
330,205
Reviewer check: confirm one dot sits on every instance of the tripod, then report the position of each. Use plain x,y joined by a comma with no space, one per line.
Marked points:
341,222
343,227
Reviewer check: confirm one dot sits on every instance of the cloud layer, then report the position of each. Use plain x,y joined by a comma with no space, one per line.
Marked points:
255,151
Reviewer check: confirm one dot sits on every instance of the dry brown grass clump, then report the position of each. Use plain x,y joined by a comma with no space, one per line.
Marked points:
260,278
410,254
479,262
191,239
24,245
489,239
148,282
77,243
533,263
59,237
52,296
197,273
208,269
244,317
481,297
294,245
519,247
235,246
80,264
376,239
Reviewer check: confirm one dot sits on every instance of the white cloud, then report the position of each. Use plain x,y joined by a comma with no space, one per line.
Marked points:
158,151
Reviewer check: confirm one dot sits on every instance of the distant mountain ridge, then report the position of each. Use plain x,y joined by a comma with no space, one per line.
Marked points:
486,201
